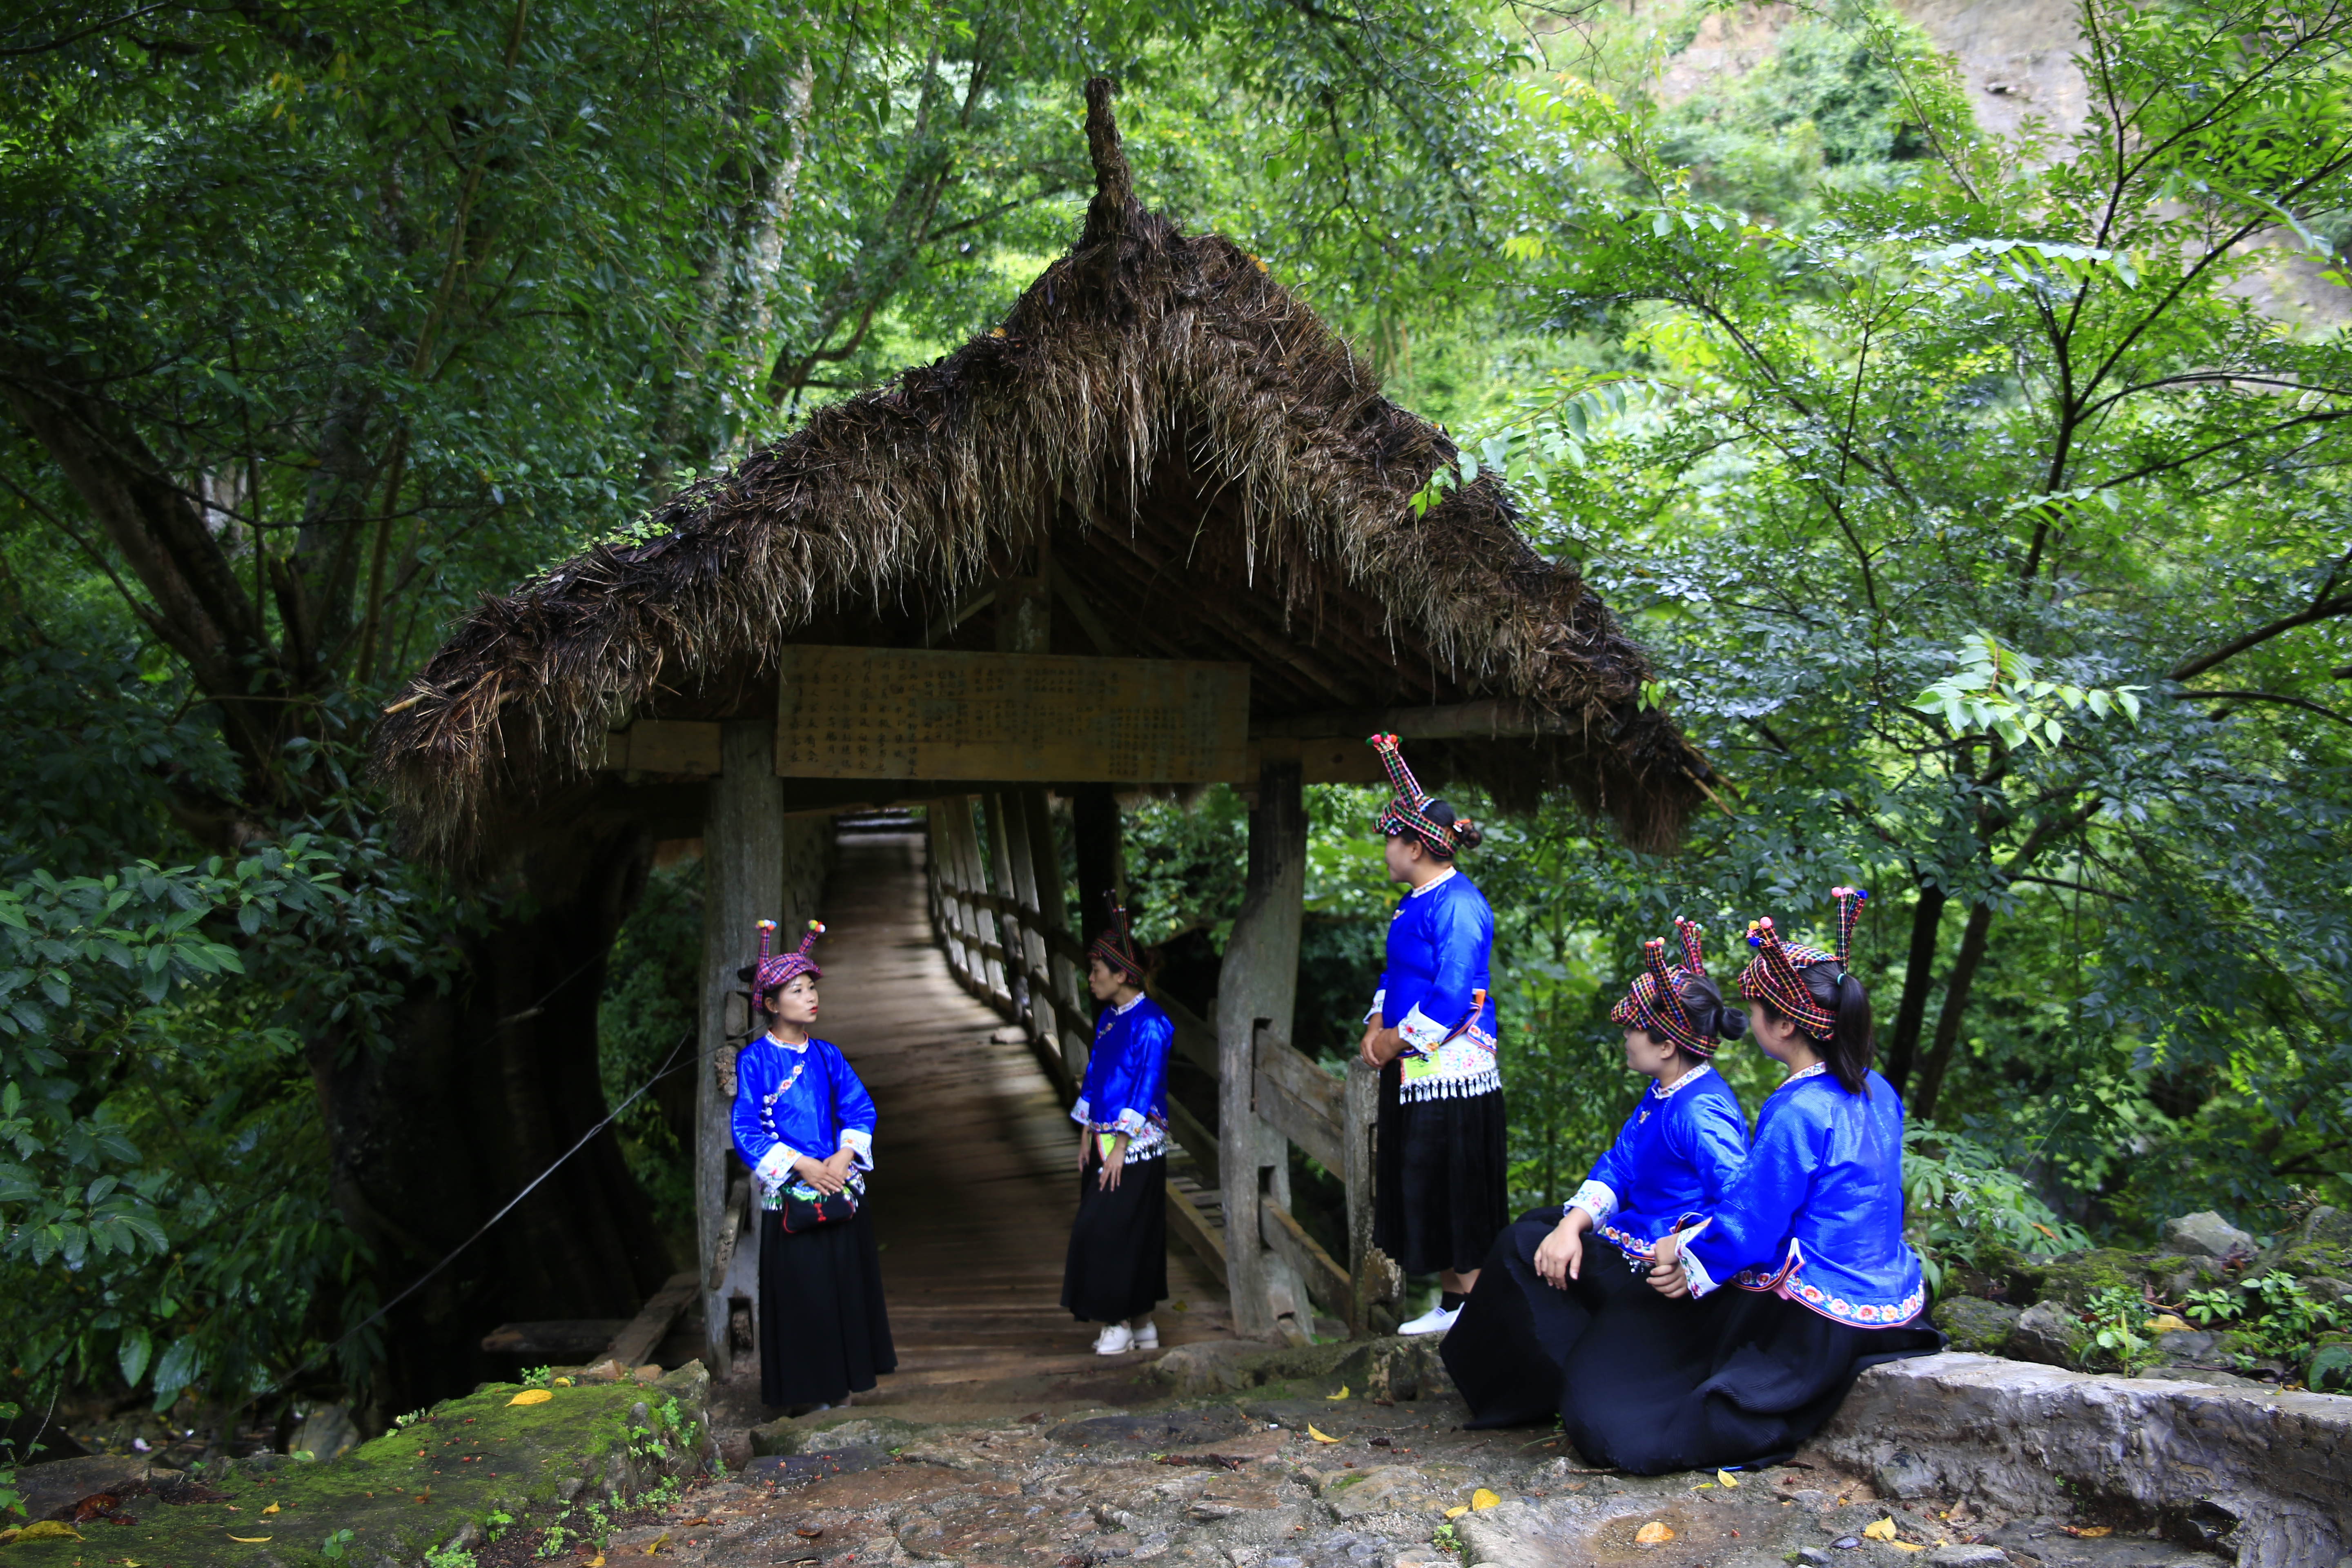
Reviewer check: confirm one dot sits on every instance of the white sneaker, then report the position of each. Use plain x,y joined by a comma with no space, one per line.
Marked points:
1117,1339
1436,1321
1147,1338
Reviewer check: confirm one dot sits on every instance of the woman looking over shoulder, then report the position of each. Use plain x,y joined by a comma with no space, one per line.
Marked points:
1680,1147
1117,1269
804,1124
1442,1193
1810,1233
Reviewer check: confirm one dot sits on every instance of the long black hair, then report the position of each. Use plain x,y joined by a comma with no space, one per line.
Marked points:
1852,1049
1704,1002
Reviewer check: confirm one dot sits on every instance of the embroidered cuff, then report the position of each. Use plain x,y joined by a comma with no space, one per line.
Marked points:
1421,1031
1130,1121
1595,1198
860,1145
1082,1113
776,1165
1379,998
1701,1282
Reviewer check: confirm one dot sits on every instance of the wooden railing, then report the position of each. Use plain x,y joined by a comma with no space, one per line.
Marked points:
1333,1120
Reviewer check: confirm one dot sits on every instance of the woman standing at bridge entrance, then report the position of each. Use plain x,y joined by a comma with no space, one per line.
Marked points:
1117,1269
804,1124
1442,1193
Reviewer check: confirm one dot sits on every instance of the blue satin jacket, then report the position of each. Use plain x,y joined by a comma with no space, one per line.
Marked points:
1816,1214
1440,939
1126,1087
1671,1162
791,1101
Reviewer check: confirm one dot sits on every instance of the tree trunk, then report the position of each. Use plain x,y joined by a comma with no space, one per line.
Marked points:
481,1090
1955,1009
1918,973
1258,980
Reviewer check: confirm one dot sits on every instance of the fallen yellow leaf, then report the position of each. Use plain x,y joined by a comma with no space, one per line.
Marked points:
1905,1546
1726,1478
2093,1531
271,1508
250,1540
48,1530
1457,1511
597,1561
1483,1500
1654,1533
1341,1394
562,1383
657,1543
533,1397
1320,1437
1883,1530
2165,1323
1178,1307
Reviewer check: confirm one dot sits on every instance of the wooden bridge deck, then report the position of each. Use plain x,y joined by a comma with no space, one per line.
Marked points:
974,1186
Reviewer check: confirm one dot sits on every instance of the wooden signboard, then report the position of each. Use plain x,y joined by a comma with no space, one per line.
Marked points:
906,713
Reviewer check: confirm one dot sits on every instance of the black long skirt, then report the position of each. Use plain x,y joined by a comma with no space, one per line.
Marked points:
1509,1349
823,1330
1652,1392
1444,1188
1117,1267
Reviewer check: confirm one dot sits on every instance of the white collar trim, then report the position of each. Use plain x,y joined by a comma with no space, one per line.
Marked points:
1434,881
1663,1091
1813,1071
784,1045
1127,1006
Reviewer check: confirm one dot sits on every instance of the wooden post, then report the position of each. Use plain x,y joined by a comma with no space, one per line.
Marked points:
973,882
1369,1270
1259,979
1053,909
987,927
743,882
1041,1020
1014,939
1094,826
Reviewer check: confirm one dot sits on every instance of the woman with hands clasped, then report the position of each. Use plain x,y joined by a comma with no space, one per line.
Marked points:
804,1124
1117,1269
1682,1142
1810,1232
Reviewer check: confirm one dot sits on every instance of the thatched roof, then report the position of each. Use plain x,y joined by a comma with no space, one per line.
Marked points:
1211,463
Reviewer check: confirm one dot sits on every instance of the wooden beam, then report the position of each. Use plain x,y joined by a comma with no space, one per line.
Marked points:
663,746
564,1342
1496,718
1325,1281
1333,760
1196,1042
1193,1229
1194,1134
1301,1101
634,1346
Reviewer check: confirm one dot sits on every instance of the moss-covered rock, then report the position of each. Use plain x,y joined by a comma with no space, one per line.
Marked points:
2074,1278
454,1476
1976,1325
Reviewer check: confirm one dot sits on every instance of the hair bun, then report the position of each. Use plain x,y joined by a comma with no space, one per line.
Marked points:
1730,1023
1466,834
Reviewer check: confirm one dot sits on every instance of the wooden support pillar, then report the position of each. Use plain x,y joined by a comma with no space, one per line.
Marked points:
1373,1278
987,927
1258,986
1015,941
1014,819
1094,827
743,883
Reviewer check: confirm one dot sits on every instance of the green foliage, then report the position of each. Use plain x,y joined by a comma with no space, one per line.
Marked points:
2112,1331
1962,1202
2272,1315
653,996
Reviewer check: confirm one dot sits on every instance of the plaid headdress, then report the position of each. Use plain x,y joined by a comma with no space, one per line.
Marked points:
1655,1001
1405,814
1116,943
775,969
1772,976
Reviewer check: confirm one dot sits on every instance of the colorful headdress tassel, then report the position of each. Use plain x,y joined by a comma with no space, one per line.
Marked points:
1772,977
1655,1000
1116,945
1407,813
775,969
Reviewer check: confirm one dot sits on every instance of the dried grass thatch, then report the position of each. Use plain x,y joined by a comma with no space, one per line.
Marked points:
1200,453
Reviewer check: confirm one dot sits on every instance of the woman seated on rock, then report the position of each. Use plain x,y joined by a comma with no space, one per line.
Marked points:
1810,1232
1678,1150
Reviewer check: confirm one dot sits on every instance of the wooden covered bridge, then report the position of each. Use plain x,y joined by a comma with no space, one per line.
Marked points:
1152,530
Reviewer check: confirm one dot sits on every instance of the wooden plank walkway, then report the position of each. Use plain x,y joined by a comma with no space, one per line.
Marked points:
974,1185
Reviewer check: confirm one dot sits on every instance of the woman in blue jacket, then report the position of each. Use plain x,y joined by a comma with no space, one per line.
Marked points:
804,1124
1809,1236
1442,1193
1117,1269
1681,1144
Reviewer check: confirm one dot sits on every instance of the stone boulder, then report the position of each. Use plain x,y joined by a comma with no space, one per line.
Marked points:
2209,1235
2266,1478
1976,1325
2044,1332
